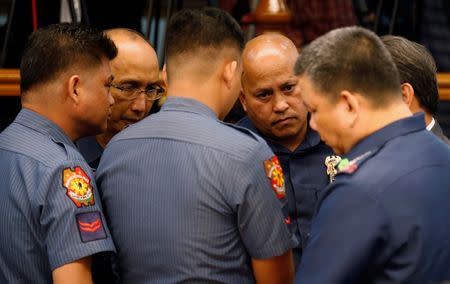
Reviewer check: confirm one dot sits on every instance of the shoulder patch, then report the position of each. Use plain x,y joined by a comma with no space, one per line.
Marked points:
275,175
90,226
78,186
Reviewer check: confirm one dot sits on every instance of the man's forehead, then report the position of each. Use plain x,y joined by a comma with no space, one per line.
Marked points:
131,51
270,70
263,52
129,67
271,61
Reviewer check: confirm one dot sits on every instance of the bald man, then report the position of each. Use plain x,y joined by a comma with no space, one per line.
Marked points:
275,111
135,88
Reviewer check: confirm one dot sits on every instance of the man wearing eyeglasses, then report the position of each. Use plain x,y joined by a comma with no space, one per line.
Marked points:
134,88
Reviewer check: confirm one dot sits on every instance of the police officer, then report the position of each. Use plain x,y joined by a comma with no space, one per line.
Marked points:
385,218
51,218
134,89
189,198
275,111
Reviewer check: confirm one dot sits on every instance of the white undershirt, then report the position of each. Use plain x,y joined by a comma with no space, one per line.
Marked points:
432,123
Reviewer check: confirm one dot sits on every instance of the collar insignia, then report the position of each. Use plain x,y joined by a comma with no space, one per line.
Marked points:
349,167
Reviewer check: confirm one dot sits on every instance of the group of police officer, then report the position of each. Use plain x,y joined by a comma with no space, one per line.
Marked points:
328,179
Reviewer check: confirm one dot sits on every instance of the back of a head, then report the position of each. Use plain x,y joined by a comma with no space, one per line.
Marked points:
352,59
200,33
52,50
417,67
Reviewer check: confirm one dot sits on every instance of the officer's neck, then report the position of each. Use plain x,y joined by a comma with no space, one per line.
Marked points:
373,119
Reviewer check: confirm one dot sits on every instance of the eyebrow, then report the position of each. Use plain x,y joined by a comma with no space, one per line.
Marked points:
137,83
288,83
259,90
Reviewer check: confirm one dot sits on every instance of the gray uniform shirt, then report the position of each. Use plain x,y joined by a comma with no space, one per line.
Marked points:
50,213
188,199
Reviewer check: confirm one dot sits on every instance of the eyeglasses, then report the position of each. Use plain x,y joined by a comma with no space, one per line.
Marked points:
131,93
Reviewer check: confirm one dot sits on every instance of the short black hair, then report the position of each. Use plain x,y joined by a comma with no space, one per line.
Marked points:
354,59
417,67
207,27
52,50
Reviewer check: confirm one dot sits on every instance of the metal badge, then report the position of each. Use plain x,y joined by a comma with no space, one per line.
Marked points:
330,163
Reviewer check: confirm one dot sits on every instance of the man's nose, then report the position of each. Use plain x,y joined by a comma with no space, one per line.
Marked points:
280,102
111,99
139,104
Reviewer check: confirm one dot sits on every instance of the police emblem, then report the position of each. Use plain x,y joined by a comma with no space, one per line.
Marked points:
78,186
330,163
275,175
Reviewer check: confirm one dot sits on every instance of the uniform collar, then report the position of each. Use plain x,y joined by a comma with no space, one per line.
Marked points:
39,123
187,105
312,138
380,137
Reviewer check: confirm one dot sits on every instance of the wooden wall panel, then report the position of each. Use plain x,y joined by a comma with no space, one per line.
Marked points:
10,79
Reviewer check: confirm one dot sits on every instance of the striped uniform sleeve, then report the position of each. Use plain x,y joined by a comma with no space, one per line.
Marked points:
261,221
71,216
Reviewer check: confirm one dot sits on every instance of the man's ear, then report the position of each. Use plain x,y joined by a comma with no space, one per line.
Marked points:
350,106
74,89
407,94
242,100
163,75
229,72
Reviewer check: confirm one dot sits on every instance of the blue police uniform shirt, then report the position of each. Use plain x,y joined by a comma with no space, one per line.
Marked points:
51,213
306,177
386,217
91,150
188,199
